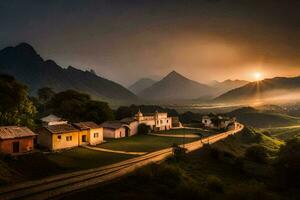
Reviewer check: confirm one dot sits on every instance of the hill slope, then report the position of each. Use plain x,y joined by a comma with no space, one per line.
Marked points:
27,66
227,85
176,87
263,118
267,88
141,84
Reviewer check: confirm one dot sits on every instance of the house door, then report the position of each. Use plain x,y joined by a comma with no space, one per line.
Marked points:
16,147
83,138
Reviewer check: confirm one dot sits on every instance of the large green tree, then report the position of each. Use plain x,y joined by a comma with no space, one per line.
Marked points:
45,94
15,106
75,107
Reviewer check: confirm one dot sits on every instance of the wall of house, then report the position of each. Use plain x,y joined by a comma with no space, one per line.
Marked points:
44,138
26,144
114,133
163,124
96,140
63,143
133,128
87,135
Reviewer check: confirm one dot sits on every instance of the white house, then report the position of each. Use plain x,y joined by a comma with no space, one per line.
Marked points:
156,121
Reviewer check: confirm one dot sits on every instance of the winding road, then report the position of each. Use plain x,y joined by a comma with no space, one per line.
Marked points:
59,185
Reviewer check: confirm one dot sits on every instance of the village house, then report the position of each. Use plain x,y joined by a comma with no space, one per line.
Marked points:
58,134
218,122
91,133
156,121
16,140
115,129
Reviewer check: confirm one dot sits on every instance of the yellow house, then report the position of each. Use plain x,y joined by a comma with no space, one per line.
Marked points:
91,133
58,136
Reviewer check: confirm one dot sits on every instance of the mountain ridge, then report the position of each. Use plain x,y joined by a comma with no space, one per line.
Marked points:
23,62
262,89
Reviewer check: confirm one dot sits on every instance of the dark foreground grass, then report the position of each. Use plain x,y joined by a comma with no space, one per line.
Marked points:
218,171
81,158
143,143
39,165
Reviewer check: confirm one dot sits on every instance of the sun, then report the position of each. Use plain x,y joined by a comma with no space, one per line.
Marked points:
257,76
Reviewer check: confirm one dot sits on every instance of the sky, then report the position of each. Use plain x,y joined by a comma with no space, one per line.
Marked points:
124,40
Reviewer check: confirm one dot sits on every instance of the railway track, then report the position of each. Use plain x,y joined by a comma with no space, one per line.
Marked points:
58,185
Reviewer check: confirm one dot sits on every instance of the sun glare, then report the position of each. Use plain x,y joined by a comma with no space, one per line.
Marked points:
257,76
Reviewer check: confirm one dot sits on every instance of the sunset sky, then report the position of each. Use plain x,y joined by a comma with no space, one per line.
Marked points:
126,40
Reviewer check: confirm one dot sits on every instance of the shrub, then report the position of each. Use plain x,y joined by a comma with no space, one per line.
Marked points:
214,184
288,164
257,153
143,129
249,191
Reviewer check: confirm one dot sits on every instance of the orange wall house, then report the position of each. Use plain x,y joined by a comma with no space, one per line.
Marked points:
16,140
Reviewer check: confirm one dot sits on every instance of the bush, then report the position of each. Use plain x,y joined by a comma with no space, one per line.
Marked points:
164,174
288,164
257,154
250,191
178,152
143,129
214,184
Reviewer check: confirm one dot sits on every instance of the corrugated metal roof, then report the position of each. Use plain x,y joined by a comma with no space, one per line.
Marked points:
11,132
128,120
61,128
86,125
112,124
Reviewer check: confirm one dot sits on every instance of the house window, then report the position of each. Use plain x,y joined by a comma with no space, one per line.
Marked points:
161,121
96,135
167,121
59,137
69,138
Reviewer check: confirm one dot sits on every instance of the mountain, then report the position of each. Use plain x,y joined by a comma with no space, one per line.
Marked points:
23,62
176,87
141,84
279,88
227,85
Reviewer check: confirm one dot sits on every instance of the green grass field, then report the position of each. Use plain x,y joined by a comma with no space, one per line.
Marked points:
81,158
264,119
143,143
182,131
285,133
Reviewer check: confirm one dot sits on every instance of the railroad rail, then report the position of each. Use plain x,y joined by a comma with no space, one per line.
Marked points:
58,185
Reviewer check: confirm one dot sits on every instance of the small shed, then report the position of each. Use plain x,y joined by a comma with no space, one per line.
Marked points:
16,140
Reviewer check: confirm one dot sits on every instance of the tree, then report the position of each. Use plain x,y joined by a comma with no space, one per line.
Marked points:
288,164
15,106
143,129
45,94
75,106
98,112
257,154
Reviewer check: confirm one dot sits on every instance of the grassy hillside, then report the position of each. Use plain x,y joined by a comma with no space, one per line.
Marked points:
263,118
225,170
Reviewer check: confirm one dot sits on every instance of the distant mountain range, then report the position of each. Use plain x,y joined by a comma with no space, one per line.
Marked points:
27,66
227,85
141,84
176,87
279,87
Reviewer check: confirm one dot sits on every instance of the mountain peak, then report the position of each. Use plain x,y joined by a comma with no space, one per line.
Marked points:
174,75
25,47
